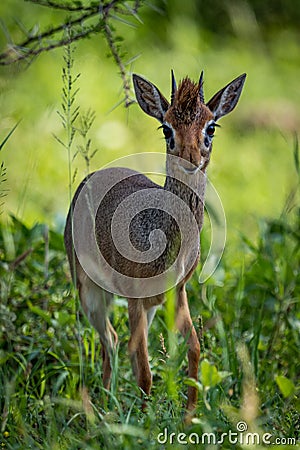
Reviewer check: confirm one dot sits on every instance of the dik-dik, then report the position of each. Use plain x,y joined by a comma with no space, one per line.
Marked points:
188,124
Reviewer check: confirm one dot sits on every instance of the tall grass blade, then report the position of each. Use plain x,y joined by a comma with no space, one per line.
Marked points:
8,136
296,154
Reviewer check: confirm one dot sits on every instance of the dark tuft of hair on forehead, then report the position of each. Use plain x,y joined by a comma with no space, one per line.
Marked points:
187,100
187,93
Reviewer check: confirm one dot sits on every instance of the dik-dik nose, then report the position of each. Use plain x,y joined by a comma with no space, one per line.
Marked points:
195,157
191,158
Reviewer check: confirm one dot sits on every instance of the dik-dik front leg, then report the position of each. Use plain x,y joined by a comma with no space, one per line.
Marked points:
186,327
138,344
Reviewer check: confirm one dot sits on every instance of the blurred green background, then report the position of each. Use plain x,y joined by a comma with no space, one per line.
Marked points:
252,165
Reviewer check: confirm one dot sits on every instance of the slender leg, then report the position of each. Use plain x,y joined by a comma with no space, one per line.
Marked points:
138,344
95,302
108,348
150,315
186,327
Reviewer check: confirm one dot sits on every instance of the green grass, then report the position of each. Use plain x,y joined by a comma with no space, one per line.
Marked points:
51,393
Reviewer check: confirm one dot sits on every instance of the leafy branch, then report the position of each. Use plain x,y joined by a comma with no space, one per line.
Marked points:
85,123
79,21
74,122
69,111
37,42
82,21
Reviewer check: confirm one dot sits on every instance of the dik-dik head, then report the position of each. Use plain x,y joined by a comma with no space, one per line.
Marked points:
188,123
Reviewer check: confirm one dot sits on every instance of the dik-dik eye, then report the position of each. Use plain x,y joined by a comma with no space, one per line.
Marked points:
210,130
168,132
169,135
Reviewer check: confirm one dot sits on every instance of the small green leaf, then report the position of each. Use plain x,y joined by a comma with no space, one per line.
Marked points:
39,312
285,385
194,383
209,374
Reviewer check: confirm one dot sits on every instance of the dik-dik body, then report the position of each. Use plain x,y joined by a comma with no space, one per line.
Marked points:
188,124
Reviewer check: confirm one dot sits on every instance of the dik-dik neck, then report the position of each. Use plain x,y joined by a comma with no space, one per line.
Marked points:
190,187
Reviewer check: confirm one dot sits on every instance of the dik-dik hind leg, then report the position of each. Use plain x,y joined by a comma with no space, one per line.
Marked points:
96,304
186,327
138,344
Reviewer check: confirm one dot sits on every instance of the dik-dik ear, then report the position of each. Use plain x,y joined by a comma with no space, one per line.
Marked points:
224,101
149,98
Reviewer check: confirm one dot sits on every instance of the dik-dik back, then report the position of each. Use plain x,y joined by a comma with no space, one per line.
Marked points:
126,235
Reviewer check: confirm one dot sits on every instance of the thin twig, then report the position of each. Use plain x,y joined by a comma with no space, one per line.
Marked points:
20,258
64,7
116,55
33,53
23,52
